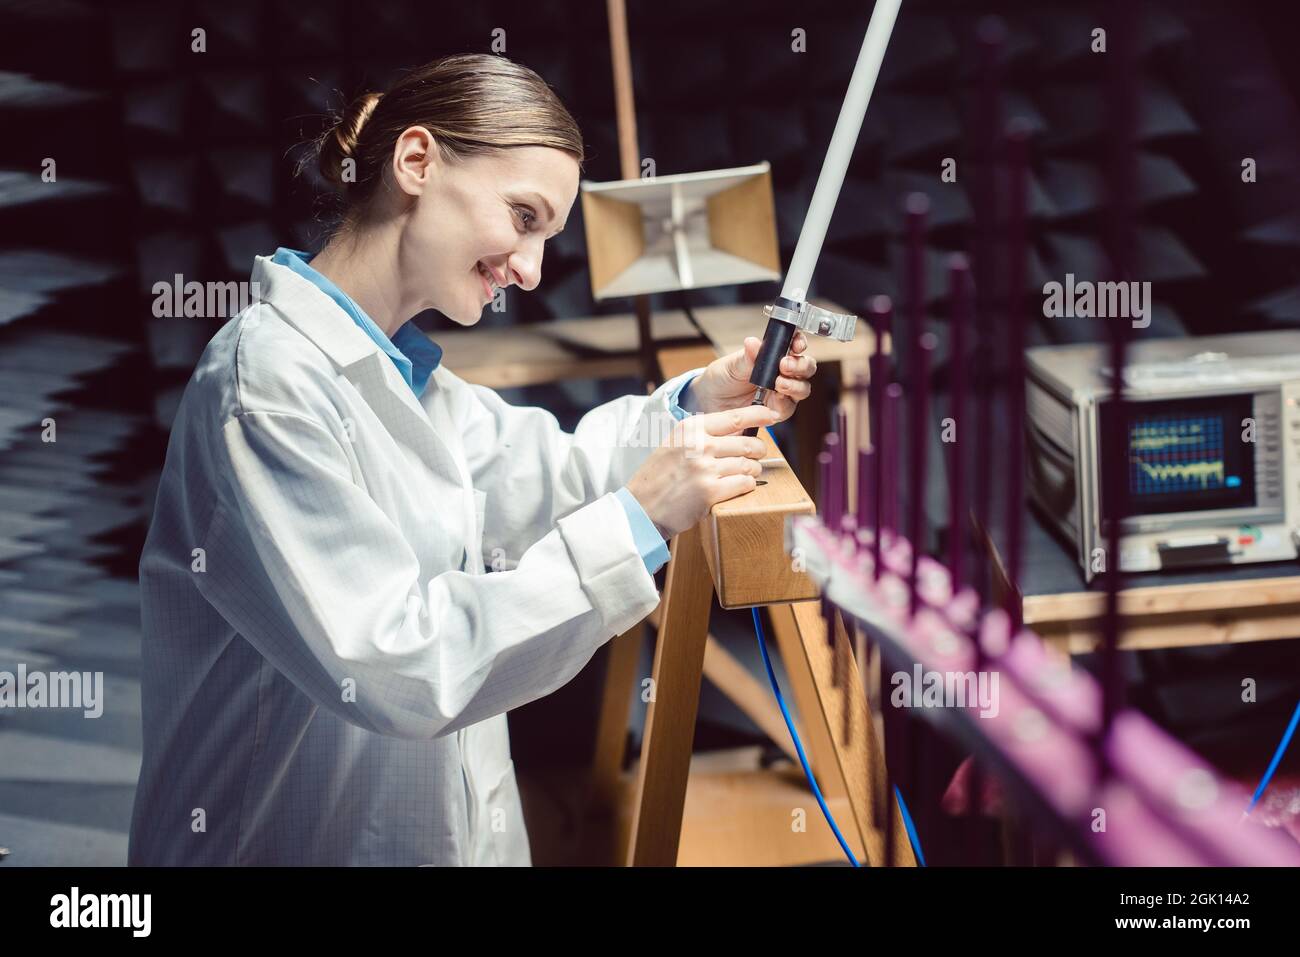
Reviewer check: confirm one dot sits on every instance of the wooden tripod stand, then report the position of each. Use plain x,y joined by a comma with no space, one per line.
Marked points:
737,553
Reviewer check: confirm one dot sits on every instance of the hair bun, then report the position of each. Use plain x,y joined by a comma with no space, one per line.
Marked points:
339,143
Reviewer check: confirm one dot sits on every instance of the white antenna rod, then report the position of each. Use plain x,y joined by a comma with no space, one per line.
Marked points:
799,276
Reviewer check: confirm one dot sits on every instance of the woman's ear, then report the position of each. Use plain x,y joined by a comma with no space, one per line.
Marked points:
415,158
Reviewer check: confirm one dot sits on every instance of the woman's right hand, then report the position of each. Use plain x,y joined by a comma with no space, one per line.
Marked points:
704,461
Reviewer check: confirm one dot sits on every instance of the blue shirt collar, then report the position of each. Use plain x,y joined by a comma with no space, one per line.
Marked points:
414,353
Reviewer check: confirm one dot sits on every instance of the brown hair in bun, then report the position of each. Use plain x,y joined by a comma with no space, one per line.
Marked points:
471,103
339,142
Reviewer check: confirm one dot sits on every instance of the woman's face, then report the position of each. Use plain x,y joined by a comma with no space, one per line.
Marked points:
480,224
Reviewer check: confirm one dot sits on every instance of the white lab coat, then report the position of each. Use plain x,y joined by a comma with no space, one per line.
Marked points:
326,665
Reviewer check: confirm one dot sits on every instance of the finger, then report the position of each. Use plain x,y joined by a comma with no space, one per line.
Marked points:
736,420
783,406
731,486
727,446
799,343
743,359
737,466
799,367
797,389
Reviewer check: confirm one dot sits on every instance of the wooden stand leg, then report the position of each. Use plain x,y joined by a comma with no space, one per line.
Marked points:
611,726
815,731
670,720
848,725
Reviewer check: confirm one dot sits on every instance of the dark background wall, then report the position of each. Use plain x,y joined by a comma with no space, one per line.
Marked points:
171,161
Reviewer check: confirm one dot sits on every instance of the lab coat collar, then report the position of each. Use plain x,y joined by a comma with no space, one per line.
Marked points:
414,353
313,313
309,310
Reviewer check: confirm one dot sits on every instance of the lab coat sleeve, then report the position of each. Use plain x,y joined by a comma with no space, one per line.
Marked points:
533,472
310,571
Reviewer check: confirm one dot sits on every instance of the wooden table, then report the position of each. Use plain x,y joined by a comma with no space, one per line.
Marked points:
590,347
1173,609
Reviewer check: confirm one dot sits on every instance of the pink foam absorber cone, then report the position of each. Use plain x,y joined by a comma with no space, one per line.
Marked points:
956,797
1280,805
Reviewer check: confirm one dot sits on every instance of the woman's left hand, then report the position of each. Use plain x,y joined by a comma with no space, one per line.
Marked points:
725,384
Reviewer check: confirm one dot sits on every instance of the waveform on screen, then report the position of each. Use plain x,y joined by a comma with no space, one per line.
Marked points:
1174,454
1158,441
1189,471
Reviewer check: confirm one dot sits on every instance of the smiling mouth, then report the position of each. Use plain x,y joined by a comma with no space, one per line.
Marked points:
490,286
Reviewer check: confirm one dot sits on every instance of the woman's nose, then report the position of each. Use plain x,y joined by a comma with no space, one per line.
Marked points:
526,267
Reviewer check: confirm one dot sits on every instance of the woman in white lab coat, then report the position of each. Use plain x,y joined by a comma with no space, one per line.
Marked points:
327,663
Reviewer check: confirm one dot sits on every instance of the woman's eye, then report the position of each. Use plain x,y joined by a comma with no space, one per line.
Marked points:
526,215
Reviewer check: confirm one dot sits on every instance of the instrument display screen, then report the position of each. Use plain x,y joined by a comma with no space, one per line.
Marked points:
1183,455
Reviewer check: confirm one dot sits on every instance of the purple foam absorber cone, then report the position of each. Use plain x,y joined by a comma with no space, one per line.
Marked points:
918,447
842,460
834,486
825,463
1017,253
959,294
991,38
866,495
880,310
889,451
916,207
1122,104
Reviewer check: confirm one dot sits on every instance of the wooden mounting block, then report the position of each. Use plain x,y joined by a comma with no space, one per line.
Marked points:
743,539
